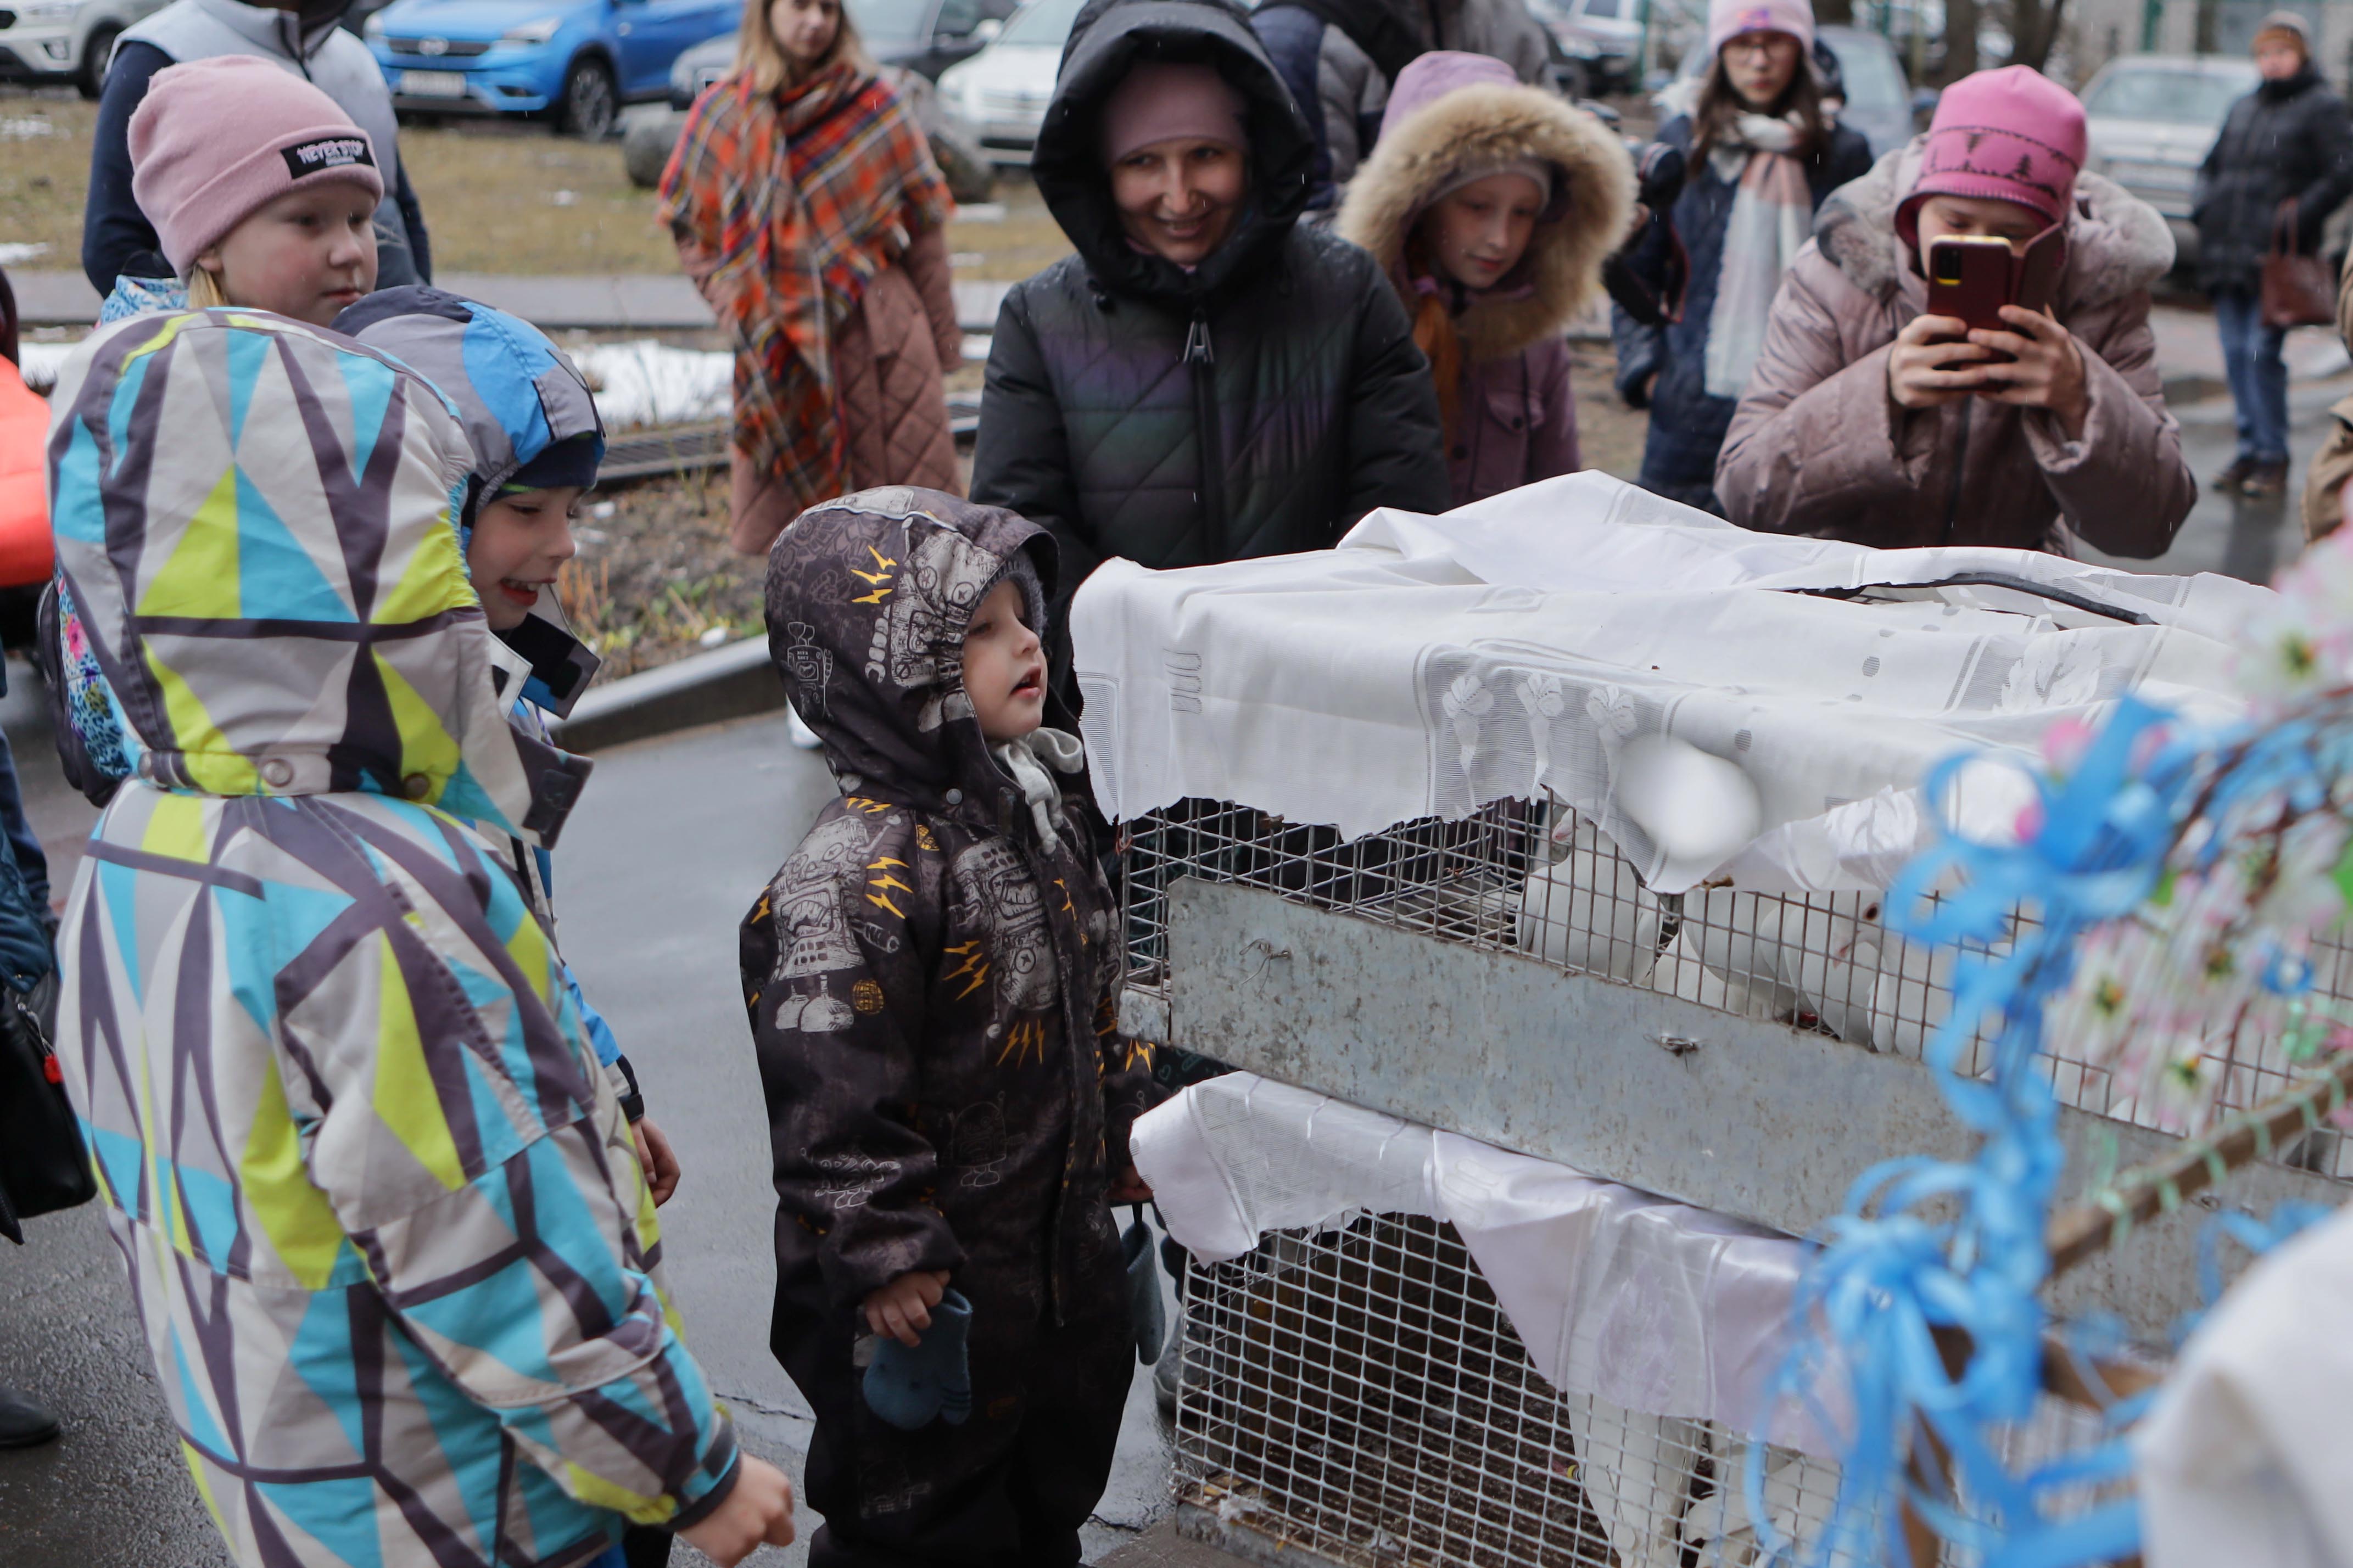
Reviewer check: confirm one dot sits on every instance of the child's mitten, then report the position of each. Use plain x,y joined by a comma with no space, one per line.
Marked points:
907,1386
1145,1314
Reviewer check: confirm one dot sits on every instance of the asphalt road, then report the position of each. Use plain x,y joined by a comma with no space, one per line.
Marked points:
672,842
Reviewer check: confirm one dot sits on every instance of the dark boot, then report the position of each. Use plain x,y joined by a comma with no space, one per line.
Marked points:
2265,480
2234,475
22,1424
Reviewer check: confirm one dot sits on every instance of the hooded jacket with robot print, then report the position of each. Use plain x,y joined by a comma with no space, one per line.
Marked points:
397,1265
933,984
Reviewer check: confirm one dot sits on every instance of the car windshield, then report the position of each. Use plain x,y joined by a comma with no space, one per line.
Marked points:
1042,22
1871,77
890,18
2176,97
1606,9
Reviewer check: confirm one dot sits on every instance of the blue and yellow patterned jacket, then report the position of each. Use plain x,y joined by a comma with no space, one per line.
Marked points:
395,1261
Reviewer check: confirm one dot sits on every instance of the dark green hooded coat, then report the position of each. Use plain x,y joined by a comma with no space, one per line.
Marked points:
1302,370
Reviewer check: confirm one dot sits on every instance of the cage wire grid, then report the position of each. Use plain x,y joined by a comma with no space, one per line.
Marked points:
1542,882
1358,1392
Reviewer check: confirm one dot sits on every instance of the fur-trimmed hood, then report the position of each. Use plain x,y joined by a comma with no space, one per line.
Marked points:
1473,129
2117,243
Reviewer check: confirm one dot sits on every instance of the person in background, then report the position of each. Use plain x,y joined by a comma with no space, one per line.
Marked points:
2332,465
1761,153
932,979
1340,58
809,211
304,40
1870,421
1492,207
1207,379
28,961
2288,141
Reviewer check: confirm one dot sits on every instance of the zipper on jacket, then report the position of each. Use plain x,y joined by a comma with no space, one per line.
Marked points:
1961,467
1202,356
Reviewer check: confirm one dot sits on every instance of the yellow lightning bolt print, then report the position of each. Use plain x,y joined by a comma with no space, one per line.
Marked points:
879,579
879,889
974,965
1026,1039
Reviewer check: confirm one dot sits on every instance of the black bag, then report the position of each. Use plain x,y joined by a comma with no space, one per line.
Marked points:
43,1166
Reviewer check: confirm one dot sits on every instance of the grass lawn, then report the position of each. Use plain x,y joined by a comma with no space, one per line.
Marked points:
498,198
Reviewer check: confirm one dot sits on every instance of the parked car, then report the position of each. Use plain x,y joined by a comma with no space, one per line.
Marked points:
65,41
576,61
925,37
2152,120
1598,43
1868,76
999,96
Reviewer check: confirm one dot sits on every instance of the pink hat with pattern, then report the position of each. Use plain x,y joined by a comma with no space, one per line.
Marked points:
1728,19
2007,135
216,140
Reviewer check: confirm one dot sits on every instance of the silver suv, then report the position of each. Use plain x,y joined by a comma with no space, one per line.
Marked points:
63,40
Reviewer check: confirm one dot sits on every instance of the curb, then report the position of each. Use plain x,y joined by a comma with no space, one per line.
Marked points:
731,682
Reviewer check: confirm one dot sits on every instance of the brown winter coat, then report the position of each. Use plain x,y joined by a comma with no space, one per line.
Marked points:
891,355
1818,447
2323,484
1517,417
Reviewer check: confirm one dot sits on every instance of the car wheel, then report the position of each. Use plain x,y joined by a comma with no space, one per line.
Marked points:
590,100
97,51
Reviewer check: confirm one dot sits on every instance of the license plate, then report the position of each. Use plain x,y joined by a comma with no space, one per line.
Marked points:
433,84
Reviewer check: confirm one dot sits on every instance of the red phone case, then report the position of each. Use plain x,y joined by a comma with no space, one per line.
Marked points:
1971,279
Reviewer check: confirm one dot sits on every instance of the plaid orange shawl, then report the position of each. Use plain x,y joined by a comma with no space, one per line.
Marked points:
784,205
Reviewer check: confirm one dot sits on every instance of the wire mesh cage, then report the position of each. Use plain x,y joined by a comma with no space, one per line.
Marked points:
1540,881
1358,1395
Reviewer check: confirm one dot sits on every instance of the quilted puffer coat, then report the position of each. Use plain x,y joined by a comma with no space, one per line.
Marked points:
1818,447
395,1261
1258,404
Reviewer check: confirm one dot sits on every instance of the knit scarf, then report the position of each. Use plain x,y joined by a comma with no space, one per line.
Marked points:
785,206
1434,335
1772,214
1027,760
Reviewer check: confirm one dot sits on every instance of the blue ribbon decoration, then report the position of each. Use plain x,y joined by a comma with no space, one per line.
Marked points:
1926,1245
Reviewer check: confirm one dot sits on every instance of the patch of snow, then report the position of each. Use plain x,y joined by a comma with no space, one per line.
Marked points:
17,252
980,212
645,383
26,127
39,362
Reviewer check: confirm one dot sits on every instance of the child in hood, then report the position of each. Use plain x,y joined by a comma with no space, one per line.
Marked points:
1492,207
932,982
394,1254
1871,421
533,426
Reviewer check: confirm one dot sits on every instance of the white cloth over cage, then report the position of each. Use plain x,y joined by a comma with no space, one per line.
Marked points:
1663,1309
2245,1457
1430,666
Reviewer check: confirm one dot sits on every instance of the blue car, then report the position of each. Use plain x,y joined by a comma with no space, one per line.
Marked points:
574,61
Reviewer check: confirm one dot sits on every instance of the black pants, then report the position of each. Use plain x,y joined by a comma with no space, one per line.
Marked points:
1009,1489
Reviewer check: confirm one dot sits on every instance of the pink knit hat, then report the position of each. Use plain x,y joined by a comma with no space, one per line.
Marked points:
1156,100
217,139
2012,134
1728,19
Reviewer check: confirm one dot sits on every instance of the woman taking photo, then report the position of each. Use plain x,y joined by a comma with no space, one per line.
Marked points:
1762,153
807,210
